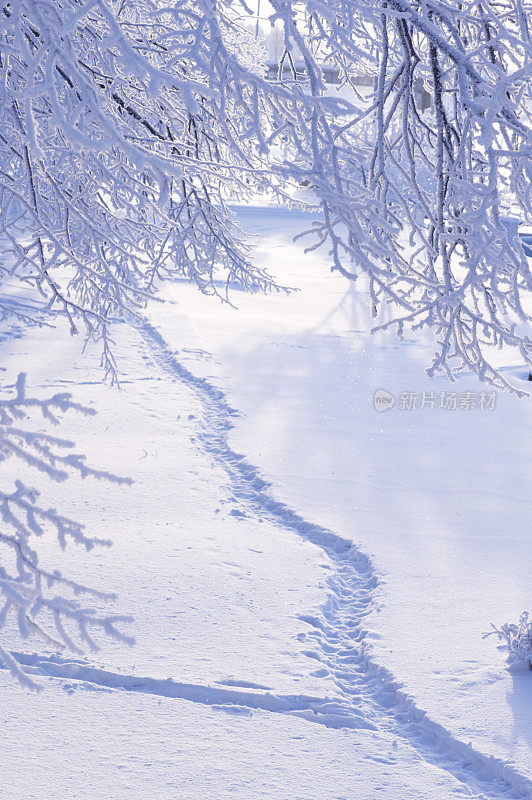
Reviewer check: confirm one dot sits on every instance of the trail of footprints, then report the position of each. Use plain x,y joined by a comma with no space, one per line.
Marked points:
367,694
337,637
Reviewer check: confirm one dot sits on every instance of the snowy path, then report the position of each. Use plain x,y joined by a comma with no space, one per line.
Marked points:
367,697
218,700
437,498
338,637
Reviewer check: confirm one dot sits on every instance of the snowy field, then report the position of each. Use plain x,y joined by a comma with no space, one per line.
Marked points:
310,578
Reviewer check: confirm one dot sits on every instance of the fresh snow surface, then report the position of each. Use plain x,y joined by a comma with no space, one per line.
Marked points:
310,578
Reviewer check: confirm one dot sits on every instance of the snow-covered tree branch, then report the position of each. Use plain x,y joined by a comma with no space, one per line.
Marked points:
427,202
128,124
25,585
118,151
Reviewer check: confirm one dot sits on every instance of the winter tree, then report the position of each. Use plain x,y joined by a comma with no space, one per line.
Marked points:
427,202
117,152
122,139
129,124
120,145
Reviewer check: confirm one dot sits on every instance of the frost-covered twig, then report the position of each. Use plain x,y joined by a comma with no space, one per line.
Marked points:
518,640
25,586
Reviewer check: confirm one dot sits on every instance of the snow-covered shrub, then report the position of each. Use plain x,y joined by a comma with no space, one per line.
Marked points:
518,639
42,602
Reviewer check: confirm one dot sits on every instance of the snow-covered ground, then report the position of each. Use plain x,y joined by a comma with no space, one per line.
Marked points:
311,578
